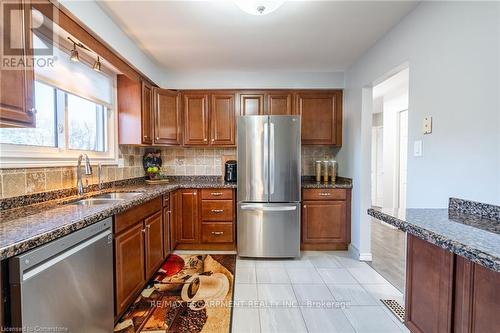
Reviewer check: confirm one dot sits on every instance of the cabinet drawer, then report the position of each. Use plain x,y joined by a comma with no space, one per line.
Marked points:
216,194
324,194
136,214
217,210
217,232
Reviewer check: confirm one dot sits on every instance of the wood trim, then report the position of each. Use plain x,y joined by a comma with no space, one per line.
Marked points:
136,214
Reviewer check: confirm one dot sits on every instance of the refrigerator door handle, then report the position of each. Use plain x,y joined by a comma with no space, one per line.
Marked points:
272,209
266,158
271,158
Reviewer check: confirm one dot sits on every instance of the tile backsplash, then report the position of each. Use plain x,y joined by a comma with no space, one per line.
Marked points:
176,162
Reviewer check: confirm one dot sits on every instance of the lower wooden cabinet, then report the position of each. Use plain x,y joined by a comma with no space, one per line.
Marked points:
326,219
187,226
154,242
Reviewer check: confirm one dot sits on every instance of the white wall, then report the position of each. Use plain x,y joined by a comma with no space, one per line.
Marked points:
452,49
89,12
267,79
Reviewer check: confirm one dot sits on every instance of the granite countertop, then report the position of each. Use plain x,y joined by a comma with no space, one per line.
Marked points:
341,182
466,233
29,225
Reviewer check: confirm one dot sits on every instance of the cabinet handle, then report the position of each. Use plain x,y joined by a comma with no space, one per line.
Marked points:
205,140
148,226
143,231
217,211
216,194
157,138
213,140
325,194
305,206
217,233
32,111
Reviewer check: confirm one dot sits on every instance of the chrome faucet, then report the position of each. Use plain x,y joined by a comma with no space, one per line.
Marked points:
88,171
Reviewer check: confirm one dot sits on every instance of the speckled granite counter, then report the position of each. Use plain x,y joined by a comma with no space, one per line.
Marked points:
341,182
470,233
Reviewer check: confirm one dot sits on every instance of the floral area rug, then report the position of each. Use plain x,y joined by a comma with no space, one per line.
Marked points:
189,293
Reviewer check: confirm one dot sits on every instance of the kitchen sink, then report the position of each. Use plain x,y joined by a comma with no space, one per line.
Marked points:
117,195
92,202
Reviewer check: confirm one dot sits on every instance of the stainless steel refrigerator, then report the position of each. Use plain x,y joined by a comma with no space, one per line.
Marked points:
268,220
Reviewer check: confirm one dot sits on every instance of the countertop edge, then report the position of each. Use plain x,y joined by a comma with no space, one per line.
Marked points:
475,255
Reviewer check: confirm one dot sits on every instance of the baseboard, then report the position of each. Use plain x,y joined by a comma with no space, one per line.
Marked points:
354,252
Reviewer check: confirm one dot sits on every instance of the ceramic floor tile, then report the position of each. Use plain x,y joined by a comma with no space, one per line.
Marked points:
367,275
304,275
245,262
324,261
370,319
348,262
272,275
401,326
336,275
245,293
351,294
246,320
299,263
281,320
384,291
263,263
312,293
276,294
245,275
320,320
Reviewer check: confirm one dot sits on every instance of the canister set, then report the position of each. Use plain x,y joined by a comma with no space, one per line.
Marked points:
326,171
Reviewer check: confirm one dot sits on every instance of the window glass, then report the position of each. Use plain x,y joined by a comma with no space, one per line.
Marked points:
85,124
44,134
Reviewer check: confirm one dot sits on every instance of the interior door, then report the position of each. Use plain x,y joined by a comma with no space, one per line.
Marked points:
253,167
284,159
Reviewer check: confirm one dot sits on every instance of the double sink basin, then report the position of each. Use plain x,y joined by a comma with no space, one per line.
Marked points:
105,198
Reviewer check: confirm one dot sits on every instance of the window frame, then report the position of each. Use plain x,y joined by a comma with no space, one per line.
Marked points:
22,156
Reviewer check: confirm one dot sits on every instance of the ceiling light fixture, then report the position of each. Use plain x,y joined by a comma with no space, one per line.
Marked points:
259,7
97,65
74,54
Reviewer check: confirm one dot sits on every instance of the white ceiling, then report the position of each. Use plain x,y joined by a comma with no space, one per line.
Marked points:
312,36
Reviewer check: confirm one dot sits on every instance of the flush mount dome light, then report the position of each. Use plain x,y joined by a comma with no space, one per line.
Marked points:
256,7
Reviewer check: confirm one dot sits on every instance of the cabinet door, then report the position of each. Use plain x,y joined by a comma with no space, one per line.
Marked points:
16,85
166,232
129,266
196,119
429,283
154,242
321,115
252,104
166,117
187,217
324,222
477,298
279,103
222,120
174,203
147,113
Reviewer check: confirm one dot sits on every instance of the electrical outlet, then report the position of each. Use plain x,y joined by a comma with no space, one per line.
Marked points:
427,125
417,148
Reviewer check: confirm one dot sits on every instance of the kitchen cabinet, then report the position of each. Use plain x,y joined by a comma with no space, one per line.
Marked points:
16,85
279,103
167,117
266,102
321,114
252,104
167,225
139,250
326,219
196,125
187,216
222,119
135,111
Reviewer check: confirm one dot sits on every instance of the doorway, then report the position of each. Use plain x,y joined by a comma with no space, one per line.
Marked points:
389,172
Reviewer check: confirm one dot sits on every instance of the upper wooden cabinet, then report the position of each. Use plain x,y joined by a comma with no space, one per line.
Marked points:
252,104
279,103
222,119
135,111
272,102
196,123
16,85
167,117
321,114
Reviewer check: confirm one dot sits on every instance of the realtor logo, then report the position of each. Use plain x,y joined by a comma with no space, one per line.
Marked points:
27,34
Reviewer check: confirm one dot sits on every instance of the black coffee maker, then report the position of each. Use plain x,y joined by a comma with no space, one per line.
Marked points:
230,171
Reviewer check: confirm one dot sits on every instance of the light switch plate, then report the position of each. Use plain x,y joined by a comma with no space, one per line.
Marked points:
427,125
121,163
417,148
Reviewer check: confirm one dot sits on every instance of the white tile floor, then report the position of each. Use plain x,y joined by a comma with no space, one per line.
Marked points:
320,292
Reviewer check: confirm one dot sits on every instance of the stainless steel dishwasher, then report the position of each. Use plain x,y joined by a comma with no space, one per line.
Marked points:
67,284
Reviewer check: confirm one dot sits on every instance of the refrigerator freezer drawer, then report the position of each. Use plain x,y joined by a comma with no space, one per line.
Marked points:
269,230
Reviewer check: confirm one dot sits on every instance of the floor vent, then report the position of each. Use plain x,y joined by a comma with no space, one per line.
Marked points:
395,307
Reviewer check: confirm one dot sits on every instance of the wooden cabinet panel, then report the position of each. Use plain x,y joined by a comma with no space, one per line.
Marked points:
324,194
147,113
167,245
217,232
222,121
187,217
154,242
129,266
251,104
429,283
477,298
216,194
217,210
279,103
16,85
167,117
136,214
174,204
324,221
321,115
196,119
